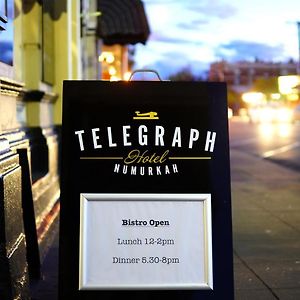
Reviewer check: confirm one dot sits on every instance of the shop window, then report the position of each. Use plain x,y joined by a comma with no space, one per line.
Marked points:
6,31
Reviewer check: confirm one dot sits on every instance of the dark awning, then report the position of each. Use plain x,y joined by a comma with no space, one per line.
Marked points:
122,22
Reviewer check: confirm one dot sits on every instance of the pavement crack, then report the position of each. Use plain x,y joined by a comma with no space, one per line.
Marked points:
257,276
277,217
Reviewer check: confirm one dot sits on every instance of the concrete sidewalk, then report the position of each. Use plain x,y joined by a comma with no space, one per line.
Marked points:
266,229
266,232
47,287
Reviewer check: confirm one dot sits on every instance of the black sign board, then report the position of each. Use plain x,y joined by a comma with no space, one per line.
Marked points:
145,202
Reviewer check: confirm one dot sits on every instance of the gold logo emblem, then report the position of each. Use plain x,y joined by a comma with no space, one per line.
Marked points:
146,116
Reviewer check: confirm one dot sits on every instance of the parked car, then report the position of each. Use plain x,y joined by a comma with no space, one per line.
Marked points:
296,114
230,113
270,114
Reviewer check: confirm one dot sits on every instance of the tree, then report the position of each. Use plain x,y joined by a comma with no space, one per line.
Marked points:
266,85
184,74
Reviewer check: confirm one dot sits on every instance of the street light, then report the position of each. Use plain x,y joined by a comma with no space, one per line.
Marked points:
253,98
298,27
288,84
107,57
298,67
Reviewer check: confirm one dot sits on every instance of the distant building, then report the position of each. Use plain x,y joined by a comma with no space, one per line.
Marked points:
240,75
108,30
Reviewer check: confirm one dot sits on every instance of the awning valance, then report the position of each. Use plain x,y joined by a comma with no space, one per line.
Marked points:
122,22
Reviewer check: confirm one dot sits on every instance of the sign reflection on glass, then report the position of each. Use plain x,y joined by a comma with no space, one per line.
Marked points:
6,34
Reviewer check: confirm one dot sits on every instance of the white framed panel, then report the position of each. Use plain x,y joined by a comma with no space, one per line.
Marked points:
145,241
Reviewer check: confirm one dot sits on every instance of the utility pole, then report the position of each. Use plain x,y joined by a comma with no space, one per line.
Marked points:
298,31
298,68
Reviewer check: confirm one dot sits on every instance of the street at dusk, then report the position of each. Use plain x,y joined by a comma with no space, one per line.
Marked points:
149,149
279,143
265,203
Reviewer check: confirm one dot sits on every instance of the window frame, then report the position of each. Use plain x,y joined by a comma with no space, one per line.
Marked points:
3,14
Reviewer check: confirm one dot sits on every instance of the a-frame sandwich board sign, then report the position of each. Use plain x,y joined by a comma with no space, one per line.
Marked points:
145,191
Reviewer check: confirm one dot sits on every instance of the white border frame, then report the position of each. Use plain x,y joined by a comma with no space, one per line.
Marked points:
206,198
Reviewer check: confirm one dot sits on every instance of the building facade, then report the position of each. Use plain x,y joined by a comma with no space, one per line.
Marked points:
42,43
39,43
241,75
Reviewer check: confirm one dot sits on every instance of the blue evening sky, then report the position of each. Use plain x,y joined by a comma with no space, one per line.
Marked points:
194,33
